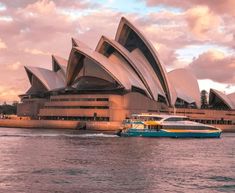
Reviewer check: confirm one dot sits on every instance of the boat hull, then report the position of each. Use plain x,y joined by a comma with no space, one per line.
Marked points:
171,134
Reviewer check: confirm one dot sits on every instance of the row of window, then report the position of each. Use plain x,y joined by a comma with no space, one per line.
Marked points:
189,112
186,112
80,99
216,122
231,114
81,118
76,107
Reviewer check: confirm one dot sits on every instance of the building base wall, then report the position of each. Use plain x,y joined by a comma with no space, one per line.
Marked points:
103,107
30,108
101,111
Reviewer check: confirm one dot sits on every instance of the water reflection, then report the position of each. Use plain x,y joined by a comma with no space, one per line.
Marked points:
71,161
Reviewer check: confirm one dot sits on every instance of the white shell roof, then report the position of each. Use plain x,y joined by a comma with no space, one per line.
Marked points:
182,95
129,63
148,73
61,62
78,43
145,72
48,78
232,98
151,49
91,69
223,97
186,86
116,68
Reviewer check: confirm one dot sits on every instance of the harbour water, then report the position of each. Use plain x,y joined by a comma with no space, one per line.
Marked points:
39,160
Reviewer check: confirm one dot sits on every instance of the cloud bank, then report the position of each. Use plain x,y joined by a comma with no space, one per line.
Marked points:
32,30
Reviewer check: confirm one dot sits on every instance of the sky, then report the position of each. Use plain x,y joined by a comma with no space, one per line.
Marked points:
198,35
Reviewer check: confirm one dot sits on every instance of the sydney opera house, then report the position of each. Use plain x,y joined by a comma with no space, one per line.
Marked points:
121,76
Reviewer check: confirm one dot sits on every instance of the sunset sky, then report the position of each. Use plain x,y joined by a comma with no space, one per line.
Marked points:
196,34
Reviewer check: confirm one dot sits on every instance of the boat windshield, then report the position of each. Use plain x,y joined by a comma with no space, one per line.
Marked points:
147,118
173,119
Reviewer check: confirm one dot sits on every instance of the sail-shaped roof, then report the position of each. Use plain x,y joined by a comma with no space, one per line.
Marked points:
131,38
51,80
186,86
231,96
145,74
59,63
119,55
113,66
78,43
218,99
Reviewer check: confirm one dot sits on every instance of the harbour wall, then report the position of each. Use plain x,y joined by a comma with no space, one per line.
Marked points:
64,124
61,124
226,128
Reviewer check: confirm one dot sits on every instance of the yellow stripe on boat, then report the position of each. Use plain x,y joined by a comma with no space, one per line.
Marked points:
151,123
191,131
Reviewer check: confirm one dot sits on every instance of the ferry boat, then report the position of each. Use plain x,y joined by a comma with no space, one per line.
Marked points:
154,125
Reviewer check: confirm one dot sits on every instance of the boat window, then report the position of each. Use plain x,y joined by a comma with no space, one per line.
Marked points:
154,127
146,118
138,126
151,118
177,119
156,118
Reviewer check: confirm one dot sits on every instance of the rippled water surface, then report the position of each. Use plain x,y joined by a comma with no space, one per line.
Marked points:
70,161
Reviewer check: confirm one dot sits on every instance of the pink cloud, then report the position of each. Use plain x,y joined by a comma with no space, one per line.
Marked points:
36,52
14,66
2,44
7,94
214,65
38,28
205,20
220,7
201,21
167,54
81,4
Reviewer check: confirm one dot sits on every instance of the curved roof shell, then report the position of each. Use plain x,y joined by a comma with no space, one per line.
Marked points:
75,64
232,98
85,68
183,96
82,64
59,63
113,66
216,96
51,80
145,74
186,86
148,73
131,38
78,43
109,48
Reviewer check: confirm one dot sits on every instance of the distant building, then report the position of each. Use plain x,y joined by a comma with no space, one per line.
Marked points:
118,78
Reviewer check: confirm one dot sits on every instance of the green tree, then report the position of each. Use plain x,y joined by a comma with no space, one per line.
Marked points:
204,99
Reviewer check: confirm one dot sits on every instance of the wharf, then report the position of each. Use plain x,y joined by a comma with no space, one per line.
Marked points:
89,125
61,124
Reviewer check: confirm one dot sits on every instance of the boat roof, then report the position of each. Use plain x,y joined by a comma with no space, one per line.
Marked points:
157,115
